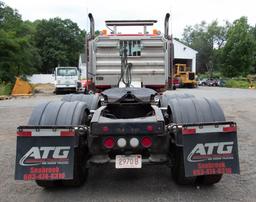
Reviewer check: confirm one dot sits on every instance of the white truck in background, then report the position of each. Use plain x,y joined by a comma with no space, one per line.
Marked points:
67,79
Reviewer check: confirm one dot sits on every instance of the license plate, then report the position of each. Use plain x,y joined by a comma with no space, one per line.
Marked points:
131,161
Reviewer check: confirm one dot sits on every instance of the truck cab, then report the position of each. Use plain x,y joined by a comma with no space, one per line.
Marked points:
67,79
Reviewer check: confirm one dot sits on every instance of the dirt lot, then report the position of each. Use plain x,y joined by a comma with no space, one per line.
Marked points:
148,184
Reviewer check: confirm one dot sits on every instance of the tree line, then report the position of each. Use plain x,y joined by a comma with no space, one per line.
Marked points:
36,47
229,49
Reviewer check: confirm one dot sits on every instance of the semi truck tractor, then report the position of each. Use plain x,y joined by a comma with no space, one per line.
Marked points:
128,127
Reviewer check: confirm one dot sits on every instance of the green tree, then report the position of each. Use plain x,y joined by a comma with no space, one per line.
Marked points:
18,54
238,53
59,43
253,69
207,40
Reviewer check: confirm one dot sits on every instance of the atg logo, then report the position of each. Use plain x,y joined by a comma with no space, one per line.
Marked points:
41,155
202,152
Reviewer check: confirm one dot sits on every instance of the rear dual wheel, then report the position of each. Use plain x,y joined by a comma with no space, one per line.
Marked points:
80,175
178,172
59,113
187,109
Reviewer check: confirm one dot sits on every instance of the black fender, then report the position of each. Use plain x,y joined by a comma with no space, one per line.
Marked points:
193,111
164,99
92,100
58,113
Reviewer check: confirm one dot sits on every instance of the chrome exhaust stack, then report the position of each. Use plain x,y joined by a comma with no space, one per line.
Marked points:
166,25
92,26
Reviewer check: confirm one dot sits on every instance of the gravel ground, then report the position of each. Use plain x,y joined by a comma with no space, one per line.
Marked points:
148,184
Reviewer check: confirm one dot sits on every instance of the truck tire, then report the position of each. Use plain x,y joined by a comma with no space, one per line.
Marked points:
208,179
192,110
91,100
178,170
56,91
59,113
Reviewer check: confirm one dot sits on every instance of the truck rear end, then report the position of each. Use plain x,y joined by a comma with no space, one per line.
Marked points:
128,127
148,53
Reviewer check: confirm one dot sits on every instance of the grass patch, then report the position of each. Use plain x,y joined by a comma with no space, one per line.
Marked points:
237,83
5,89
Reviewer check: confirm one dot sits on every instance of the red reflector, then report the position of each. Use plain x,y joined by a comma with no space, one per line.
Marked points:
109,142
105,129
150,128
146,142
188,131
67,133
229,129
24,133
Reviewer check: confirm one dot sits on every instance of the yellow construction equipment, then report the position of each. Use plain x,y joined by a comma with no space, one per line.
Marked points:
251,79
185,76
21,88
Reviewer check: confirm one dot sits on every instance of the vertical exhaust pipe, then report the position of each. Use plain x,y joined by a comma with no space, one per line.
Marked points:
171,51
166,25
92,26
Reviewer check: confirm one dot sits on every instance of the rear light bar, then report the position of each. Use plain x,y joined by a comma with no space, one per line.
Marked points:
45,132
208,129
24,133
129,128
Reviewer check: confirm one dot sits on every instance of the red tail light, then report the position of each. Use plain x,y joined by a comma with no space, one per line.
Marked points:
67,133
229,129
150,128
146,142
109,143
188,131
24,133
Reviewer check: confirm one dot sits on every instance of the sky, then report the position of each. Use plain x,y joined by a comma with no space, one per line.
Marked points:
183,12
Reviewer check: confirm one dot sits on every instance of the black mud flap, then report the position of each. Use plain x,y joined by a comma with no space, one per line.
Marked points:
210,149
45,153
